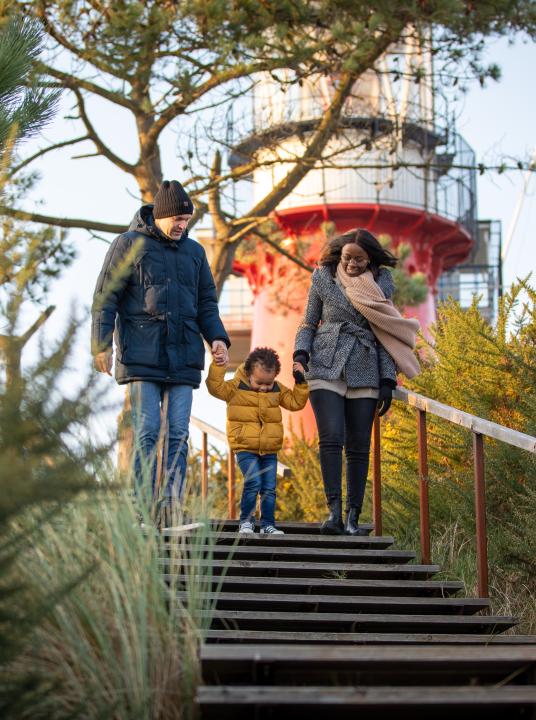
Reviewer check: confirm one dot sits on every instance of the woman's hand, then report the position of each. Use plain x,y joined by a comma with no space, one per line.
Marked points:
384,400
298,373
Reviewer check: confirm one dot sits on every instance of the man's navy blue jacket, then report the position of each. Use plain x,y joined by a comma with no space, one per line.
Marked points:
159,297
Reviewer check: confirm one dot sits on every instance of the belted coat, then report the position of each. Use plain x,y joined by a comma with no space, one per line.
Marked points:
337,337
158,299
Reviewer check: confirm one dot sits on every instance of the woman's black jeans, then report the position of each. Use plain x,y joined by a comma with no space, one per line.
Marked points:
344,422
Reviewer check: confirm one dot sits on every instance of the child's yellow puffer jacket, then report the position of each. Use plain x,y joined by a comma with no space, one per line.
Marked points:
254,419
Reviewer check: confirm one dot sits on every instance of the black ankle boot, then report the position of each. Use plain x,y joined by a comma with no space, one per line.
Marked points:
352,527
334,524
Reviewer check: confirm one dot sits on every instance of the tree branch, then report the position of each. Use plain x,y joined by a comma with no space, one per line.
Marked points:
41,320
72,82
62,40
101,147
214,204
62,222
265,239
215,80
46,150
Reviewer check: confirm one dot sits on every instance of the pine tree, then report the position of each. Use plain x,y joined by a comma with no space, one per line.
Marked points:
45,459
488,371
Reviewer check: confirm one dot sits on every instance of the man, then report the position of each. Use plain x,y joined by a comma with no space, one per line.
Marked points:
157,295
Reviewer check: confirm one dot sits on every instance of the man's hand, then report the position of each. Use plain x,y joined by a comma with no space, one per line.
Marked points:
220,354
103,362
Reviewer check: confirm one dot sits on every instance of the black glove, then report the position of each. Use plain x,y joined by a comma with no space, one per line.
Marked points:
301,357
298,376
385,399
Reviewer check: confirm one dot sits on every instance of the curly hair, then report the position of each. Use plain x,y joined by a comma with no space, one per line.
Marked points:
378,255
264,356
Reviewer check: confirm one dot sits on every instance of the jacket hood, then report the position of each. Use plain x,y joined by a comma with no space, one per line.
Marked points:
240,374
143,222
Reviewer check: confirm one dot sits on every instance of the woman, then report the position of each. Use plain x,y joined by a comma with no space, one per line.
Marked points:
351,373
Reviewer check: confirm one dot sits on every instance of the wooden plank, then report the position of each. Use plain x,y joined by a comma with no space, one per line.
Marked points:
329,638
307,554
378,698
377,656
336,587
285,525
359,622
306,540
471,422
366,665
339,604
297,569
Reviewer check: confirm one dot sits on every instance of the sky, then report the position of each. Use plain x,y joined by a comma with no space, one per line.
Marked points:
499,119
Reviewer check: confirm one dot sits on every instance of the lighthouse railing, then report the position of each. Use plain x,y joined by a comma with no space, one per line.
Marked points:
480,428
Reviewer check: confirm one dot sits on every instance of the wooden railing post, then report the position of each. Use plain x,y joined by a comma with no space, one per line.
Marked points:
424,518
231,485
480,513
377,478
204,466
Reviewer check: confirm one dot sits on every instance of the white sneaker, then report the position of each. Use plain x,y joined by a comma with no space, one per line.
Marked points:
246,528
271,530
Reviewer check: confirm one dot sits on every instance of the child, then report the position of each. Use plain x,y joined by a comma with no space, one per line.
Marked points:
255,429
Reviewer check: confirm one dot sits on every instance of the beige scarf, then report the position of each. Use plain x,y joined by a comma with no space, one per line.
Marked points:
394,332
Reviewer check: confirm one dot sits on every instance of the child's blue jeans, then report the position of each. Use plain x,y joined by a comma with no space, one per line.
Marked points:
260,473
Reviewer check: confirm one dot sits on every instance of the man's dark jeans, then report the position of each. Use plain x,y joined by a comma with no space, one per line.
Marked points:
260,475
343,422
146,398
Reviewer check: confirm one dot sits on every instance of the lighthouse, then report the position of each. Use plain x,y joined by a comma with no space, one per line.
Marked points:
394,167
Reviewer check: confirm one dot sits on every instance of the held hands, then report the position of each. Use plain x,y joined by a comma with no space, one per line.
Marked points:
298,373
220,354
103,362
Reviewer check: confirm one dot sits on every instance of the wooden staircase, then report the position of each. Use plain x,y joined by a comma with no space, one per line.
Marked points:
306,625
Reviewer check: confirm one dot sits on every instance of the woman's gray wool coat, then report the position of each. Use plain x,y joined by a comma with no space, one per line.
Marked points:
338,338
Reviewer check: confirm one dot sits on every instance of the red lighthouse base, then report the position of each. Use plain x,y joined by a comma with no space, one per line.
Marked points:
281,286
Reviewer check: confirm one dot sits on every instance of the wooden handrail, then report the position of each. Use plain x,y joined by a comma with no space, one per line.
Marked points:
480,428
207,431
471,422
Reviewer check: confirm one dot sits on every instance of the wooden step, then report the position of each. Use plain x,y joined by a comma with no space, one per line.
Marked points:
374,638
260,701
381,665
288,527
270,568
303,540
320,586
358,622
339,604
304,554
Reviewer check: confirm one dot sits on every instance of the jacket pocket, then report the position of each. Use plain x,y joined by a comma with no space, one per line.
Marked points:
154,299
141,343
325,344
194,348
235,432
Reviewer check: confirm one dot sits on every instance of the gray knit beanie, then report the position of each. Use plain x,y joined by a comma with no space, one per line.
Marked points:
172,199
